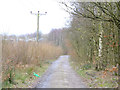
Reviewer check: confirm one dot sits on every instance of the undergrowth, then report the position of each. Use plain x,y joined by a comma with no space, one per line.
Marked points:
21,59
95,79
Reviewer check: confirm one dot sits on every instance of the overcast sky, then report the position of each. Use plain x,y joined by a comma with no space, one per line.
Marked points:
15,17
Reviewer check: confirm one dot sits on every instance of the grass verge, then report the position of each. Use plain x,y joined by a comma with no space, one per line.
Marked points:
24,76
94,78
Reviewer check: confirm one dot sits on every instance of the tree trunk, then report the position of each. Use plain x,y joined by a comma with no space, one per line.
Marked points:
100,46
119,57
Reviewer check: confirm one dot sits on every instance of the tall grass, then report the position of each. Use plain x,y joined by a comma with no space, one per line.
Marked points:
24,54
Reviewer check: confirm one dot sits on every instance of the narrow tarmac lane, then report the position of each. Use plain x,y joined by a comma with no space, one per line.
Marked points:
60,75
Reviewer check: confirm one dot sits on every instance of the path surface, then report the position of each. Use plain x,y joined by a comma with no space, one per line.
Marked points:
60,75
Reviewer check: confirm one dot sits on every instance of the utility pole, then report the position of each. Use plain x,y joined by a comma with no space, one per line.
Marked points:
38,14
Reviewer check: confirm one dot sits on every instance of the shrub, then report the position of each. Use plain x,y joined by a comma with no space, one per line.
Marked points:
19,54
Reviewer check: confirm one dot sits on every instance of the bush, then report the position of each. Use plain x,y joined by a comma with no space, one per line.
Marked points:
24,54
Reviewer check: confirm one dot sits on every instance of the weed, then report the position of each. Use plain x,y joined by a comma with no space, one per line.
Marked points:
23,57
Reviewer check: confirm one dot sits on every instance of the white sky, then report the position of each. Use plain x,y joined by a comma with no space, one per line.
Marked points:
15,17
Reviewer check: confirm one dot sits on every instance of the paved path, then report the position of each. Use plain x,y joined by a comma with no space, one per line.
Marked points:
60,75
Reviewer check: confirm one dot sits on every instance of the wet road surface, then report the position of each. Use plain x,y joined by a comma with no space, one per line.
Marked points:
60,75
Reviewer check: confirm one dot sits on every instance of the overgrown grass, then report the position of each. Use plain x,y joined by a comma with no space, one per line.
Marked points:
21,59
24,76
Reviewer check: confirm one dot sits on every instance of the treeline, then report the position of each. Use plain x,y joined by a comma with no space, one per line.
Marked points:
58,37
96,44
93,36
24,37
